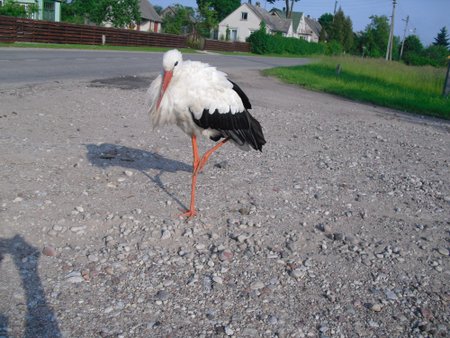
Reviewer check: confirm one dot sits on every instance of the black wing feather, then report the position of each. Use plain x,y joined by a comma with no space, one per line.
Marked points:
241,127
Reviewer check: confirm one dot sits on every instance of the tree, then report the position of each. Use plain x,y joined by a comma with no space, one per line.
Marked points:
442,38
325,20
12,8
222,8
180,22
289,6
207,18
119,13
373,41
413,45
341,30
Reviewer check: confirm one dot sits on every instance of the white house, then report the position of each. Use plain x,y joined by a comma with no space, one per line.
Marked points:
247,18
49,10
150,20
303,26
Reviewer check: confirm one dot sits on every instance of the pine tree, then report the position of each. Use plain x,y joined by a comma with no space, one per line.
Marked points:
442,38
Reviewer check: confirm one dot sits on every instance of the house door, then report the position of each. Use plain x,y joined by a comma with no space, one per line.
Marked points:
49,11
233,34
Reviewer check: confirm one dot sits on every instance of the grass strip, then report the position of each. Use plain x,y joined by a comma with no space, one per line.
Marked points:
388,84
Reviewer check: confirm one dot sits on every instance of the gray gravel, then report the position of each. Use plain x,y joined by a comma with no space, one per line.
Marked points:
339,228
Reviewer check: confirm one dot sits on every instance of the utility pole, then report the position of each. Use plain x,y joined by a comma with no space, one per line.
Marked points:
404,36
391,33
335,6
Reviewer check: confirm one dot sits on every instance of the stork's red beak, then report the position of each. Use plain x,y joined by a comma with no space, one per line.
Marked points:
165,83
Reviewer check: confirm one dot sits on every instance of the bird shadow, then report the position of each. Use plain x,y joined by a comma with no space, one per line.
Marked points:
40,320
107,155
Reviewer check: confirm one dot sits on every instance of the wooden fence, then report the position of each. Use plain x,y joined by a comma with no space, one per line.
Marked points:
27,30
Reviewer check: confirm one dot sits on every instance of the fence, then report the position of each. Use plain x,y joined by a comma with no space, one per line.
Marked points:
27,30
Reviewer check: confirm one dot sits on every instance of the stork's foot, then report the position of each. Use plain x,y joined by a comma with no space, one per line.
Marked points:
188,214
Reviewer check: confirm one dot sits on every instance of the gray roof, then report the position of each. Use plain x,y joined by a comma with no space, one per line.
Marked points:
148,12
314,25
273,22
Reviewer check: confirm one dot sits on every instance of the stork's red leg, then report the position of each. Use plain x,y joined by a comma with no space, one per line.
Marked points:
195,166
210,151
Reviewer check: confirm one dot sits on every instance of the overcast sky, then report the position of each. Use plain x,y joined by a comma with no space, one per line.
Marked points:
426,17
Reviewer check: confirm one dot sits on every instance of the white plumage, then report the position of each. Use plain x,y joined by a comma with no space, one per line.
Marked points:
202,101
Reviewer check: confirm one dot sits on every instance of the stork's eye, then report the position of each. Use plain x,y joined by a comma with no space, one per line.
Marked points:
176,63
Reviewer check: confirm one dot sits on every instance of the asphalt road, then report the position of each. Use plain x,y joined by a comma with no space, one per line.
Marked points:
31,65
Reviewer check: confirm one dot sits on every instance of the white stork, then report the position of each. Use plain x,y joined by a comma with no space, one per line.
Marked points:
202,101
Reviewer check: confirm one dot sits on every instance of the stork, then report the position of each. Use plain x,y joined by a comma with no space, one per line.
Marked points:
202,101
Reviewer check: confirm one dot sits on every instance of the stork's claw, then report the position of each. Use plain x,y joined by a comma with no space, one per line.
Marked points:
188,214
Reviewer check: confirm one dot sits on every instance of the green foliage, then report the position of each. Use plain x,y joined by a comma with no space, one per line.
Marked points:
263,43
413,44
415,54
12,8
341,30
118,13
333,48
180,22
390,84
207,19
442,38
325,20
373,41
222,8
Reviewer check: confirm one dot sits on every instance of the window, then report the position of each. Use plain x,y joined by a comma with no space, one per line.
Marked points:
244,16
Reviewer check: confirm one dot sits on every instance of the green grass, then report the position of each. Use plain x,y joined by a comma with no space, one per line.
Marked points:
92,47
389,84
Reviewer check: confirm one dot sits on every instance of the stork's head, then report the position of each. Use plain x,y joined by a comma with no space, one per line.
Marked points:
171,60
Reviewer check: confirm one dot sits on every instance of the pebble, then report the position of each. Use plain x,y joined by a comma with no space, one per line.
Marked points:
162,295
298,273
128,173
228,330
49,251
443,251
376,307
257,285
226,255
165,234
217,279
74,277
92,258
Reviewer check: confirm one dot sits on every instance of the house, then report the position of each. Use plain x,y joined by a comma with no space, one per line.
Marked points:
150,20
172,11
303,26
239,24
49,10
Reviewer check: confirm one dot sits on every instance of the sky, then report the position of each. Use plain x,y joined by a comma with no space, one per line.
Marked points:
426,17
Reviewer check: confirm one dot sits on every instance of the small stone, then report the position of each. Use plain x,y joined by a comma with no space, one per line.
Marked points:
79,209
18,199
217,279
443,251
162,295
165,234
228,330
128,173
49,251
298,273
226,255
257,285
92,258
376,307
244,211
74,277
390,295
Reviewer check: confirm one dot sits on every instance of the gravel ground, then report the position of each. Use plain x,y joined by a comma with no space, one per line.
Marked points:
339,228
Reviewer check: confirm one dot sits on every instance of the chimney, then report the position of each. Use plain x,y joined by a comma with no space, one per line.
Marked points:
258,4
249,2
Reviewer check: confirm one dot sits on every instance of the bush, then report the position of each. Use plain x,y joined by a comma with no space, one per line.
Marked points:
435,56
263,43
333,48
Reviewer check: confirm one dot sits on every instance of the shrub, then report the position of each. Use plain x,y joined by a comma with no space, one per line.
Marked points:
263,43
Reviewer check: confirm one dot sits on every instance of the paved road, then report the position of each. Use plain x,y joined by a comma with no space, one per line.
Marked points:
25,66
